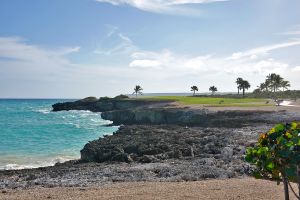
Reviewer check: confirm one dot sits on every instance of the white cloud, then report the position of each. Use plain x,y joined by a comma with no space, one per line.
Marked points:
51,73
171,63
161,6
16,48
144,63
31,71
25,63
297,68
254,53
182,70
115,43
150,59
291,33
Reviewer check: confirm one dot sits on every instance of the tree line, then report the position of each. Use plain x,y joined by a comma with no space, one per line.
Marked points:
273,83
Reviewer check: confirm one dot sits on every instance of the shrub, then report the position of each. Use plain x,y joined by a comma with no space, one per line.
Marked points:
277,154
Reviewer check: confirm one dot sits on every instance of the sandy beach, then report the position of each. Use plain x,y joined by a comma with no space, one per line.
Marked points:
229,189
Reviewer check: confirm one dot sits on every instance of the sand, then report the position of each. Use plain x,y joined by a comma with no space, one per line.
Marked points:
228,189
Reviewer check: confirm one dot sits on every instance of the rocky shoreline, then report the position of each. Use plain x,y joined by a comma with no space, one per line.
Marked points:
156,142
215,153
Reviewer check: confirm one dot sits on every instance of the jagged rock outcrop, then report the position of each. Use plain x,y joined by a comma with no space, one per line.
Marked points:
199,117
107,104
143,143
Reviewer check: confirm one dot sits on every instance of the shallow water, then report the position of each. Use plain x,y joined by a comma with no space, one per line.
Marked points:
33,136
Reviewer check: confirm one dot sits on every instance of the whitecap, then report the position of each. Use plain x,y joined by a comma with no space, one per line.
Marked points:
44,111
37,164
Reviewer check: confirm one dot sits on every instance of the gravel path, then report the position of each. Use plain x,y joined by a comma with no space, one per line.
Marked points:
229,189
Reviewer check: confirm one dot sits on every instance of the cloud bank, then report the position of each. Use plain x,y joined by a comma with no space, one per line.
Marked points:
161,6
51,72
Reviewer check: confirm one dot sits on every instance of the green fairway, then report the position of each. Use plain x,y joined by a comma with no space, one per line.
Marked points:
215,101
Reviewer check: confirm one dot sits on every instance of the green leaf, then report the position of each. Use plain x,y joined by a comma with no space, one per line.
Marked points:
296,140
257,175
293,125
262,150
288,135
296,158
270,165
281,140
290,172
284,153
249,150
279,127
289,144
249,158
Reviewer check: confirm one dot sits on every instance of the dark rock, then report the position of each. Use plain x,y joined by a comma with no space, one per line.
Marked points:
161,142
143,111
147,159
190,117
227,153
106,104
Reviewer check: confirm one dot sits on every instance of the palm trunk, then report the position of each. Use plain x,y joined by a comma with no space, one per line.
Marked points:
238,91
194,93
243,92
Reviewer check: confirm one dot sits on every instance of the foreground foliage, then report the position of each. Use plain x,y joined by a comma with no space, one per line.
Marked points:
277,154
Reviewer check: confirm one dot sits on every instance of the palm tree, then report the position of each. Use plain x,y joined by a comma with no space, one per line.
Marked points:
213,89
245,85
194,89
285,85
275,81
263,87
137,90
238,82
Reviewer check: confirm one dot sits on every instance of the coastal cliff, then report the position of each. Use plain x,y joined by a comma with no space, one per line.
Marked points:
127,111
107,104
156,141
155,130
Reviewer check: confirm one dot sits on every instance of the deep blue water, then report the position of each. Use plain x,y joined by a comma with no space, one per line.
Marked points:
33,136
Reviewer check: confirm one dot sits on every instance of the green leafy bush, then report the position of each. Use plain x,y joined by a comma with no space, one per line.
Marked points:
277,152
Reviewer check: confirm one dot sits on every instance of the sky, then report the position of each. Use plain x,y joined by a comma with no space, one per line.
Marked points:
79,48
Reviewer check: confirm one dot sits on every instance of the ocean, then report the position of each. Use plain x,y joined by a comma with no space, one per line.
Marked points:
32,136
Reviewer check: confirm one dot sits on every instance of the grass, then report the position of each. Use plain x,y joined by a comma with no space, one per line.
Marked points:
215,101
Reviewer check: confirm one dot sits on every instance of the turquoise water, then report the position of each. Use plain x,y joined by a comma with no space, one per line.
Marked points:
33,136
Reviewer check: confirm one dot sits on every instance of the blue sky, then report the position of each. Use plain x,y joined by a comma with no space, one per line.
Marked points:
78,48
